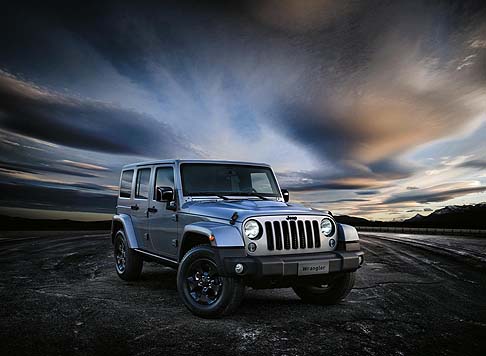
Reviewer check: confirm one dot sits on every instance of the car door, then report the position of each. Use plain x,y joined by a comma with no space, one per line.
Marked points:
140,205
162,221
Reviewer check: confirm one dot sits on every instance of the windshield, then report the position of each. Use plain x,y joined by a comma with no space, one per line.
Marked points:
228,179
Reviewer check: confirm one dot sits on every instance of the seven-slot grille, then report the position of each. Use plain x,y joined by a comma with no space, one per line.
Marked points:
287,235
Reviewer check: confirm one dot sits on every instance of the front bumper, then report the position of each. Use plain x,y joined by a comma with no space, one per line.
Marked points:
260,267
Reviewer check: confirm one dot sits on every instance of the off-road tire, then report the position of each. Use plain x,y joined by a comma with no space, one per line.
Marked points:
230,296
336,291
133,261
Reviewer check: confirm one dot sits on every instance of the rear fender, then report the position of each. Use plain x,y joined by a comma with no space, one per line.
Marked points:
124,221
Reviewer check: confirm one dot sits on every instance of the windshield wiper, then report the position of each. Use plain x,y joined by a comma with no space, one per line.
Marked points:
224,197
209,194
258,195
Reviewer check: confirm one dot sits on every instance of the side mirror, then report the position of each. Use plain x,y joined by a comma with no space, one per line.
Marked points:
286,195
165,194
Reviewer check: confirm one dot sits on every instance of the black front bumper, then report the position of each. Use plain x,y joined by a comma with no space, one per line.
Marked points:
256,267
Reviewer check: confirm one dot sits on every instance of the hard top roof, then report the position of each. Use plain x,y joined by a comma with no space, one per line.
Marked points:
179,161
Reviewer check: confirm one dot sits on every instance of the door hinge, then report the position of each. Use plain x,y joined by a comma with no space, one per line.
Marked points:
175,242
147,236
175,217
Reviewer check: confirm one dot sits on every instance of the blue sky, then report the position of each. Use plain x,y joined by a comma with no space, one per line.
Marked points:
373,109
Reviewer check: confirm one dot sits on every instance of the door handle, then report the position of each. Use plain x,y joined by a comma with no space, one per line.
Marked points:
134,207
152,210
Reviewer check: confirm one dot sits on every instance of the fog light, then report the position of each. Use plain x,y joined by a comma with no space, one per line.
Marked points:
360,260
252,247
239,268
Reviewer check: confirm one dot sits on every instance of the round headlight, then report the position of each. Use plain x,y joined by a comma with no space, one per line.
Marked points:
327,227
252,229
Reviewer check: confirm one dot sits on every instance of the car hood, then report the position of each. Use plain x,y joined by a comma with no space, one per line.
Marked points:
245,208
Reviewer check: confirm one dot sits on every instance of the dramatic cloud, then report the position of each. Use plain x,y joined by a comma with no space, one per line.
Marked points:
81,123
337,201
42,197
434,194
368,192
475,163
33,168
368,108
82,165
334,185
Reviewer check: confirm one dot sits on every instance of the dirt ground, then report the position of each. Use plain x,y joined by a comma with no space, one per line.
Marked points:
60,295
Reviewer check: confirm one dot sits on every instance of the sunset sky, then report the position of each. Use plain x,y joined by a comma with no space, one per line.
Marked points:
374,109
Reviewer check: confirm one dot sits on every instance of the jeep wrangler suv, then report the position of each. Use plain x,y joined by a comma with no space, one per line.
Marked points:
226,225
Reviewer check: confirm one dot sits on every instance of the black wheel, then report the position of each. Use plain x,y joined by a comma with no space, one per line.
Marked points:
128,263
330,292
204,292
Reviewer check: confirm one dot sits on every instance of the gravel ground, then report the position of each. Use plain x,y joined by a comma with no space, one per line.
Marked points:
469,247
60,294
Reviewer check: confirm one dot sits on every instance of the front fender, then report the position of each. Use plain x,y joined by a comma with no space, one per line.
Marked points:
224,235
347,233
124,221
348,238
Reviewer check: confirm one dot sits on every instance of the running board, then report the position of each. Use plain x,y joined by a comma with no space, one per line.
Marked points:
164,260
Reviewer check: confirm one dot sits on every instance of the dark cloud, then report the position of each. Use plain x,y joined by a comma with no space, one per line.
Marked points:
37,167
427,196
355,86
89,186
383,93
368,192
350,200
331,185
37,196
321,180
475,163
83,165
412,188
82,123
61,186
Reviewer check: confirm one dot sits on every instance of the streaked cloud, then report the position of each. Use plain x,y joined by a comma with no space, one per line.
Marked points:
475,163
50,116
56,198
366,108
436,194
83,165
37,167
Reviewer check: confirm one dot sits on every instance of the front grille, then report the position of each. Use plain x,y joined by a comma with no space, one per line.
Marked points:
287,235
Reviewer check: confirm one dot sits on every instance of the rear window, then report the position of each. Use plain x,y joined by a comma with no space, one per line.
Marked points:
126,184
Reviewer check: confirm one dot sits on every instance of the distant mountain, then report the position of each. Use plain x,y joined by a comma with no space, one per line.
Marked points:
460,216
453,216
414,219
17,224
353,221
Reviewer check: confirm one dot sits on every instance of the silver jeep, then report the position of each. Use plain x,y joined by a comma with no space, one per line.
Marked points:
226,225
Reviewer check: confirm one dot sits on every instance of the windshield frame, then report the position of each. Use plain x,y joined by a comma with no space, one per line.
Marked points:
239,195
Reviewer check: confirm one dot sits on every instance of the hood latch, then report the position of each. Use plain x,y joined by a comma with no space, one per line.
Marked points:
234,217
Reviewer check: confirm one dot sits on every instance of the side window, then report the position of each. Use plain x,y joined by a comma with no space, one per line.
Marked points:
164,177
142,186
126,184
